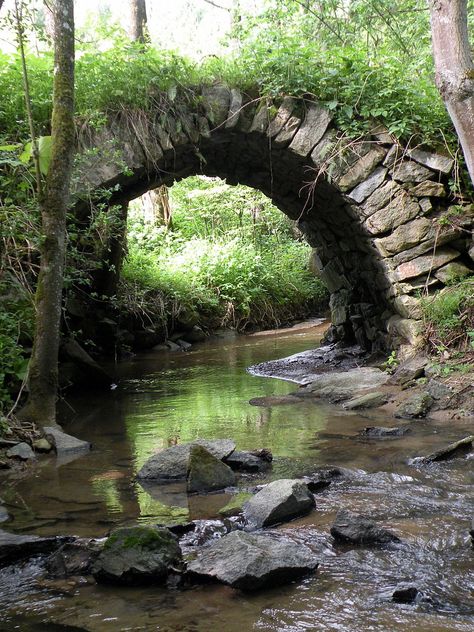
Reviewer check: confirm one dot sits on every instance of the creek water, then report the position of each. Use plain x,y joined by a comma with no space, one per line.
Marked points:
163,399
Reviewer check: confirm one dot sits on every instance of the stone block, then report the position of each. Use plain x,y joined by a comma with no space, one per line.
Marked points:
311,131
400,210
425,263
234,109
444,164
408,307
380,198
429,189
394,154
287,132
368,186
404,237
333,277
452,271
409,171
406,328
362,168
284,112
261,119
325,148
216,102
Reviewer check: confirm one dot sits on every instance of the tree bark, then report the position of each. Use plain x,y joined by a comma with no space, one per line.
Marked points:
43,367
455,69
138,20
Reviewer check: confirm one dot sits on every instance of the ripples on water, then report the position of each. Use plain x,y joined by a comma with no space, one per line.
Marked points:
168,399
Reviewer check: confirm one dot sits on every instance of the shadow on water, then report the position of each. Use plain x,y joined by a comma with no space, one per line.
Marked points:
171,398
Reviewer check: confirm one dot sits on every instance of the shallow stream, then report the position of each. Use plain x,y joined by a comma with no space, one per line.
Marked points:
169,398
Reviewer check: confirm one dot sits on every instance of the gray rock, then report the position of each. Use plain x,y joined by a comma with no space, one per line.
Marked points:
452,451
452,272
404,237
311,131
42,445
439,391
21,451
173,463
65,444
415,407
410,370
351,528
137,555
4,515
278,501
347,384
74,558
380,198
399,210
407,171
216,100
367,187
284,112
362,168
429,189
185,346
425,263
370,400
195,335
250,562
247,462
15,547
431,160
206,472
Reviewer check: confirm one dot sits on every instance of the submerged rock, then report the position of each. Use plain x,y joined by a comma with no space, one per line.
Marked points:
137,555
351,528
250,562
65,444
380,432
279,501
451,451
235,505
248,461
173,463
415,407
206,472
322,478
273,400
405,593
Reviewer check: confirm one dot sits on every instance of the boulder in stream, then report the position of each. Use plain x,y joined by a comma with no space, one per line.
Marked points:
15,547
173,463
136,556
249,461
21,451
65,444
351,528
250,562
415,407
74,558
382,432
346,385
451,451
279,501
206,472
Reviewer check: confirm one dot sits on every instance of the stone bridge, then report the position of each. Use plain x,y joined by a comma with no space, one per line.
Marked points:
378,215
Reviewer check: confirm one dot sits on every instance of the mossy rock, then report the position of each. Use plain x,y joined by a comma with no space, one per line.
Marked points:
137,555
207,473
235,505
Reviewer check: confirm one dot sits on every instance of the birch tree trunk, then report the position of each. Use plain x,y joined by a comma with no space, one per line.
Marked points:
43,367
455,69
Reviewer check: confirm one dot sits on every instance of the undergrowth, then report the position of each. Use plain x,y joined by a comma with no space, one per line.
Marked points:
231,259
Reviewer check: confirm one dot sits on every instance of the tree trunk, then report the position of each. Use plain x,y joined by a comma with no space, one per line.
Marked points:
455,69
43,367
138,20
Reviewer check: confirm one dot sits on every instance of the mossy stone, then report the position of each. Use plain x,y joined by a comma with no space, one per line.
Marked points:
207,473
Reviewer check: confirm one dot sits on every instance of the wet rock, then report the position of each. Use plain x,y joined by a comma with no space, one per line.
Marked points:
247,462
278,501
338,386
322,478
96,375
74,558
405,593
250,562
379,432
206,472
351,528
21,451
185,346
235,505
195,335
173,463
137,555
452,451
65,444
410,370
443,394
415,407
370,400
4,515
42,445
207,531
15,547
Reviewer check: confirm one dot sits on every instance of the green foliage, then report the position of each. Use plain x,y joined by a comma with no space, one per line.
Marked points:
449,317
231,258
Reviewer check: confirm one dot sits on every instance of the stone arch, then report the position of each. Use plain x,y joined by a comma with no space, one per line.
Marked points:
369,207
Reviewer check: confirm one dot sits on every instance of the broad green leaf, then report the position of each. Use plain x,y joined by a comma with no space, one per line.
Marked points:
44,148
10,147
25,155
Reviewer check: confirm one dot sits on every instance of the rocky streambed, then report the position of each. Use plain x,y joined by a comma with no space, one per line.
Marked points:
351,518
